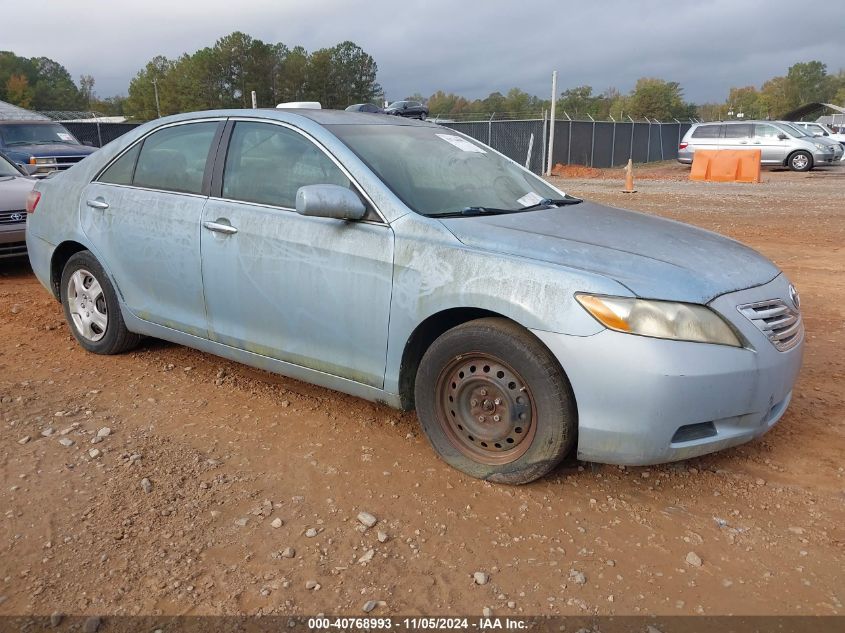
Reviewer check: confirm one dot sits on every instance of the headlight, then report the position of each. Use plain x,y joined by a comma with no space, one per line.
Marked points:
660,319
820,146
42,161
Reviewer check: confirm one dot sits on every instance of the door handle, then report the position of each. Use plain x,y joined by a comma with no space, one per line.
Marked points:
217,227
99,203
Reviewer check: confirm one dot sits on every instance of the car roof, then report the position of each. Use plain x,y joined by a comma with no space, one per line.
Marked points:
320,117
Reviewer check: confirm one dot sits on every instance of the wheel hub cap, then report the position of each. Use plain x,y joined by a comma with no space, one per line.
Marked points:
486,409
87,305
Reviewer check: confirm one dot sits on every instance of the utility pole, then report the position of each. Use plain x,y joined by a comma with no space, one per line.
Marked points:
155,87
552,124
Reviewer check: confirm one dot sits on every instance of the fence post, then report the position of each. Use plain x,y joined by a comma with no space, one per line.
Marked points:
99,135
552,125
660,124
648,143
490,130
592,140
613,145
530,147
631,148
545,141
569,144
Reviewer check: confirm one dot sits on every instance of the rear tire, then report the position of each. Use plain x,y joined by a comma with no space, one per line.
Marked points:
800,161
494,402
91,307
422,116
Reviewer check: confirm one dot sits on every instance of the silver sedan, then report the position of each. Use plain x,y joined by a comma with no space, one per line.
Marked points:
405,263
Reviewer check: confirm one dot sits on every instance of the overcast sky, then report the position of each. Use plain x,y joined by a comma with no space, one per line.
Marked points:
470,47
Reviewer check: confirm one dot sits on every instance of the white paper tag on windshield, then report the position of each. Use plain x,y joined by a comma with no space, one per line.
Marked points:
461,143
530,198
64,136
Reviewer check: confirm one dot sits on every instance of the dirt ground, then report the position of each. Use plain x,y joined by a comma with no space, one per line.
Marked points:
228,450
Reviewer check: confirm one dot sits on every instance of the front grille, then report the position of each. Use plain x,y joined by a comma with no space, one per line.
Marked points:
777,320
13,217
62,162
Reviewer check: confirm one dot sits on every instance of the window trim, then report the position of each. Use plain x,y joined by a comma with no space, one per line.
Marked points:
209,160
216,190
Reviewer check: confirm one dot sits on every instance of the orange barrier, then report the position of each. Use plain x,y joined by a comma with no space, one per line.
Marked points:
726,165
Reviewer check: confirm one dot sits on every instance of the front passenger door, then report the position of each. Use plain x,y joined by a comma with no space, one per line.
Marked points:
310,291
772,148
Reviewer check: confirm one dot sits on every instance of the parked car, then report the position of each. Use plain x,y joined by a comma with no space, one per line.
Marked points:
15,186
777,146
408,264
799,132
365,107
820,129
409,109
41,147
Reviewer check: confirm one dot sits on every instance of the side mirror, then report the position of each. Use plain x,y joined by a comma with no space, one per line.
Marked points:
782,136
329,201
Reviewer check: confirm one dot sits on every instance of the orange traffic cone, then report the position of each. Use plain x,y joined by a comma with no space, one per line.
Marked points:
629,178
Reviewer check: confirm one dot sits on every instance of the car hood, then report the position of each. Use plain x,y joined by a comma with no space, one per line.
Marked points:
654,257
13,192
51,149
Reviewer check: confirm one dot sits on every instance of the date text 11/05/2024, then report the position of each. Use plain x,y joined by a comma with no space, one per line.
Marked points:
418,623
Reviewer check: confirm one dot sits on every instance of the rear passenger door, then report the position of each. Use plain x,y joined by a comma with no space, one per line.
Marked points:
310,291
142,216
773,149
737,136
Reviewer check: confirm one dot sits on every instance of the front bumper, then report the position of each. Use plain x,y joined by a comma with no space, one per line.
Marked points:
823,158
645,401
12,240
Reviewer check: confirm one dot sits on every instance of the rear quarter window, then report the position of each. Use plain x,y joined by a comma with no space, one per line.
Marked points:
706,131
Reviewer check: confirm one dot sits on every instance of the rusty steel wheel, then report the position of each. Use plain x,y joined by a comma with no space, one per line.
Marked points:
494,402
486,409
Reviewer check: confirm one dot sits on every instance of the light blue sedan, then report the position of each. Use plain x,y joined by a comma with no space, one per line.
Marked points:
405,263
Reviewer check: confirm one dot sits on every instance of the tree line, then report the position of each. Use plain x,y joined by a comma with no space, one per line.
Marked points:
37,83
225,74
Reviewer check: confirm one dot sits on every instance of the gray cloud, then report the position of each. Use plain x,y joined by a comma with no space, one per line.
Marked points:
472,48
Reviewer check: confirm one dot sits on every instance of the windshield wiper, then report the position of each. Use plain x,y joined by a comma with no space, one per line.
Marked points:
553,202
543,204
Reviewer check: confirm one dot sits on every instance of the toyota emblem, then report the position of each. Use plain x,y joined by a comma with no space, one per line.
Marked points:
17,217
793,294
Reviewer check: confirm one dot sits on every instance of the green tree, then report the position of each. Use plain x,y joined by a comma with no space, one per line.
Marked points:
658,99
808,82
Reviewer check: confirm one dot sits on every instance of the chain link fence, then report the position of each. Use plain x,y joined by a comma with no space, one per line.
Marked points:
91,128
589,143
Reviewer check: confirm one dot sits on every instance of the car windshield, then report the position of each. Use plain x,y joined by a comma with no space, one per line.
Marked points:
7,169
36,134
435,171
793,131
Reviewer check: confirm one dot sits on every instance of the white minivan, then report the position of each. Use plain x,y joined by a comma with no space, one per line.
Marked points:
777,146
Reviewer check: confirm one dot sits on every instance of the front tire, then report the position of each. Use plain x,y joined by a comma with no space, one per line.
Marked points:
800,161
422,116
91,307
494,402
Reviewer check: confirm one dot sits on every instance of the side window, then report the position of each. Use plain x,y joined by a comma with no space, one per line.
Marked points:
120,171
739,130
173,159
765,131
706,131
268,163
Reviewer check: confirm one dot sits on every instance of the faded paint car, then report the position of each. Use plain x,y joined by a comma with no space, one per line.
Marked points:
405,263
